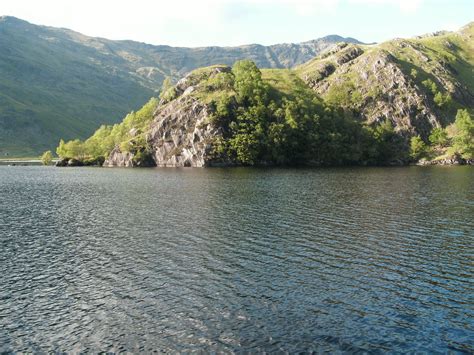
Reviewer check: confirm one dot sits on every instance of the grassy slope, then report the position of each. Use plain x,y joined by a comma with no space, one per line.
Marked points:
49,90
283,83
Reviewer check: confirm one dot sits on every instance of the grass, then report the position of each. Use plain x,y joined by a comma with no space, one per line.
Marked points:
285,83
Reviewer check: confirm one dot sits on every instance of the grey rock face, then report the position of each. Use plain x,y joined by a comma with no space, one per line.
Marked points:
385,92
181,134
453,160
119,159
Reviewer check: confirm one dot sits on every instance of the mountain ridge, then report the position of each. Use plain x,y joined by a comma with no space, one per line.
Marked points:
329,37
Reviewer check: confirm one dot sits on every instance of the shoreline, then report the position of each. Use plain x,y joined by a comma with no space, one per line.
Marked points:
23,161
38,162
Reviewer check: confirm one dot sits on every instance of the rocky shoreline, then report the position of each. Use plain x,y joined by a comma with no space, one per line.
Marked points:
126,160
454,160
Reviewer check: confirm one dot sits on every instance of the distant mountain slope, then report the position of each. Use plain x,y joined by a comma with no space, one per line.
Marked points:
59,83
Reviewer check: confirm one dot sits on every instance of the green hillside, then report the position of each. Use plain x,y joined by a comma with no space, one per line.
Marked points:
59,83
392,103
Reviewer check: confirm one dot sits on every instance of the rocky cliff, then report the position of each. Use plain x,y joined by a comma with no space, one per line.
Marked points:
181,134
373,85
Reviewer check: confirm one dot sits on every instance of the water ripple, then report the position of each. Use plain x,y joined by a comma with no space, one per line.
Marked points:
237,260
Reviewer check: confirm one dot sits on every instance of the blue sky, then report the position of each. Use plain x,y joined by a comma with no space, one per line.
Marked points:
235,22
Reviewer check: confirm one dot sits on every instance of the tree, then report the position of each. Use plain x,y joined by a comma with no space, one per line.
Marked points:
439,137
389,145
430,85
166,85
47,158
101,142
463,141
417,147
443,101
248,84
72,149
61,149
439,99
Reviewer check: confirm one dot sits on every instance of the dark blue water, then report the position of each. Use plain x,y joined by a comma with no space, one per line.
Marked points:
231,260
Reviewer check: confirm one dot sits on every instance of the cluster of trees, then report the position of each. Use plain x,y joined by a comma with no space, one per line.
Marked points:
265,126
129,135
456,139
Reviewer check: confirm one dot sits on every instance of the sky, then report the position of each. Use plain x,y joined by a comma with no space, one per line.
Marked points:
235,22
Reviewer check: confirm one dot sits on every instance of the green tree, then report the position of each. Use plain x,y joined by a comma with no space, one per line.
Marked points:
249,85
417,147
248,134
439,137
61,149
47,158
439,99
166,85
443,101
100,143
463,141
72,149
389,145
430,85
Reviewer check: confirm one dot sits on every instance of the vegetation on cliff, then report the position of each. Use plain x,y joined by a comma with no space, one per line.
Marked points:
393,103
455,140
268,117
129,135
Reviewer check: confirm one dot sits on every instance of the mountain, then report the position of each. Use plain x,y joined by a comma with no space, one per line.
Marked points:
390,103
56,83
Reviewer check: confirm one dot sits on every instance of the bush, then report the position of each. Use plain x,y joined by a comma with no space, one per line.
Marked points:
430,85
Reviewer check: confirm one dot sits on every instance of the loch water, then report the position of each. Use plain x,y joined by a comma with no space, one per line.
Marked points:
237,260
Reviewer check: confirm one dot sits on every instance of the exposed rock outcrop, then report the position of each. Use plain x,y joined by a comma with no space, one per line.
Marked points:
378,89
119,159
181,134
453,160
